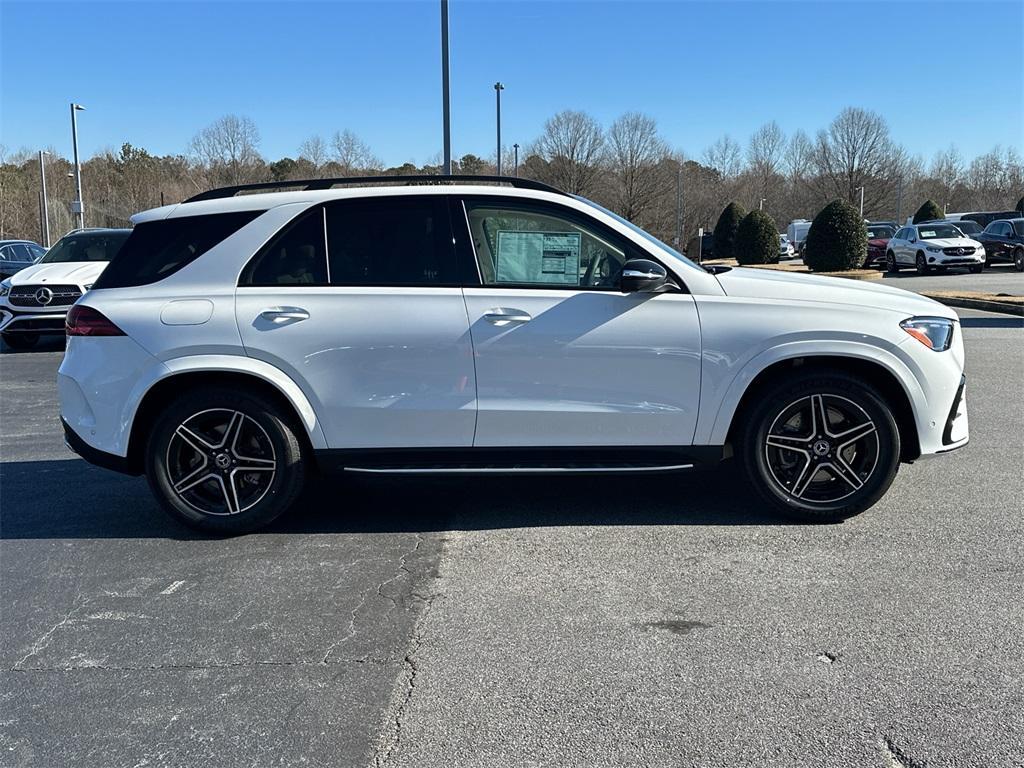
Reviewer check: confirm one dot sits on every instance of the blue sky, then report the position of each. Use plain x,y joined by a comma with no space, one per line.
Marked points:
153,73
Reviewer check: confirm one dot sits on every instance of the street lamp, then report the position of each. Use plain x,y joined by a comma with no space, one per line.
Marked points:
498,88
76,204
861,190
515,150
760,203
46,206
446,101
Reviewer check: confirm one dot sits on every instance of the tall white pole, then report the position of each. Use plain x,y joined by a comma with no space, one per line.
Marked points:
77,204
446,101
498,88
46,207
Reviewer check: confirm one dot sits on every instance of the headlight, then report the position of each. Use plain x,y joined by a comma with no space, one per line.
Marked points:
936,333
934,249
5,287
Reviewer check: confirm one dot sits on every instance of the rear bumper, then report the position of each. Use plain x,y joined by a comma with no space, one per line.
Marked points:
95,456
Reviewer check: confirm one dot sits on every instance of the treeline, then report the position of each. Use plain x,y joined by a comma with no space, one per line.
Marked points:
627,166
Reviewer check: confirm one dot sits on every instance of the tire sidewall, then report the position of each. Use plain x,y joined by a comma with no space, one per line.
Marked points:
781,396
287,450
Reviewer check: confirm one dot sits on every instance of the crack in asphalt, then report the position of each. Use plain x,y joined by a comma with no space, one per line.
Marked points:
211,665
896,757
41,644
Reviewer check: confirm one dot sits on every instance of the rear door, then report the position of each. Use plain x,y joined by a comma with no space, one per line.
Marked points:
359,302
563,357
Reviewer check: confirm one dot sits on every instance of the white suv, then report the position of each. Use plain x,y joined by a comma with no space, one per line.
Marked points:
34,301
933,245
455,325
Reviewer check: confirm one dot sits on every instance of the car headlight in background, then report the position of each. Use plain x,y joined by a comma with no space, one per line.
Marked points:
5,287
934,249
936,333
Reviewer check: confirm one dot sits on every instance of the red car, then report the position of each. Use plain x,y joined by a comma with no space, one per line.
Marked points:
878,238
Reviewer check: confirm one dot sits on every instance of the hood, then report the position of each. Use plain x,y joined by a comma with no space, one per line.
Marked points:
839,291
878,242
77,272
951,242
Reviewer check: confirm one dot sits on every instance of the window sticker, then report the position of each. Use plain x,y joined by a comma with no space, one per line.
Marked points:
538,257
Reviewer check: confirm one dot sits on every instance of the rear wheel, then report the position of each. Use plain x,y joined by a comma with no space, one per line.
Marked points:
922,265
21,340
821,447
225,461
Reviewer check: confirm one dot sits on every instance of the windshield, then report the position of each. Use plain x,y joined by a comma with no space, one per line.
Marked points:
86,246
880,233
939,231
645,235
968,227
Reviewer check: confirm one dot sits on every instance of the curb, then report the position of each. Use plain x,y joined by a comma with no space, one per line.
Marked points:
982,304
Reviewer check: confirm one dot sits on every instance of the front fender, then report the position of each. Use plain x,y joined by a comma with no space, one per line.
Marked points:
714,429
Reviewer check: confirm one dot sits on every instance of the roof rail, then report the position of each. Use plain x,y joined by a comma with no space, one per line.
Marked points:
308,184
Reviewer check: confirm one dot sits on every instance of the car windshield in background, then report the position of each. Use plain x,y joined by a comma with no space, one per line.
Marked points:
87,246
939,233
968,227
880,233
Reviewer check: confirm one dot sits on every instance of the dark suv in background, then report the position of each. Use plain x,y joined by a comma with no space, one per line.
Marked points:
1004,242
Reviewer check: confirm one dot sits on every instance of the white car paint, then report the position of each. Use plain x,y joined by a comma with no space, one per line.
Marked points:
424,367
907,244
77,273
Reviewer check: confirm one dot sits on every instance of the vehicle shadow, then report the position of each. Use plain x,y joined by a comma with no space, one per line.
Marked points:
70,499
50,343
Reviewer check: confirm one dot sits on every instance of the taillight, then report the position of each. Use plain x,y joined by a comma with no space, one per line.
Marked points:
86,321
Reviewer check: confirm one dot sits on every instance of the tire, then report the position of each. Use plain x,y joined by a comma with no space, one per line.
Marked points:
922,265
890,263
976,269
781,418
236,460
1018,259
21,340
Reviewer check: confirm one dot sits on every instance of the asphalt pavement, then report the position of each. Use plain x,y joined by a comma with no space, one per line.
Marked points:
489,622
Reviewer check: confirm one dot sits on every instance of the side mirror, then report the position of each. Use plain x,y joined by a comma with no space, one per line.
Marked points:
913,239
642,275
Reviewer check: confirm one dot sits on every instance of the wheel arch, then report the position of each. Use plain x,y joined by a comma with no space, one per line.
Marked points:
273,385
883,378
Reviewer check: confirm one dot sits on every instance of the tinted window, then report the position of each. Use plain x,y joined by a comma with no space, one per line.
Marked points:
390,241
879,233
1018,227
86,246
530,244
295,256
37,250
6,253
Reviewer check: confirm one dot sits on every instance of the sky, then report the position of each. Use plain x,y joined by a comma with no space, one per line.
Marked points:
154,73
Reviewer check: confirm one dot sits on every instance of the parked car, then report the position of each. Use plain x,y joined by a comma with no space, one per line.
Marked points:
879,234
797,233
35,301
786,249
927,247
970,228
238,342
15,255
984,218
1004,242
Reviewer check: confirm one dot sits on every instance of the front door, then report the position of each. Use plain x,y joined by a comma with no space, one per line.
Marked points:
563,357
358,302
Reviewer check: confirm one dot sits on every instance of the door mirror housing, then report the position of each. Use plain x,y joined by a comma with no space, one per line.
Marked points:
642,276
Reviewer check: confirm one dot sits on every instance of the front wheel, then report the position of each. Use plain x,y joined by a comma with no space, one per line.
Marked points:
976,269
823,446
922,265
890,263
224,461
1018,259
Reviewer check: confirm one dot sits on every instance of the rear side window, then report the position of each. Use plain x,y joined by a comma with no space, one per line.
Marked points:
295,256
390,241
158,249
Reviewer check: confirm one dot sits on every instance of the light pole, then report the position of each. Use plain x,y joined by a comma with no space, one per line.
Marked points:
76,204
861,190
46,207
498,88
515,150
446,101
679,207
760,203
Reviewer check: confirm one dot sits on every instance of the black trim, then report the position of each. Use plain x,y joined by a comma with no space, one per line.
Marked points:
600,458
94,455
947,432
320,184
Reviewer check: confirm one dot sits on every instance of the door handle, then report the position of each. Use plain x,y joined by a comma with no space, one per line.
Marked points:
283,314
502,316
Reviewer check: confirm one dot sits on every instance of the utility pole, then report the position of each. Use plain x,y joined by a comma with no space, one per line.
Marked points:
679,207
760,203
899,202
446,101
498,88
76,205
45,213
861,189
515,150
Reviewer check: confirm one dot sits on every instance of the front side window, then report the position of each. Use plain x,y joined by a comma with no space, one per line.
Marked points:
538,245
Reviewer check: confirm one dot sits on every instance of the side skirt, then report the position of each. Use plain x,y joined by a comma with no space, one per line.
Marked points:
559,460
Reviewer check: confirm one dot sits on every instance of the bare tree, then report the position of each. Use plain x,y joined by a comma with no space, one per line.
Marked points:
765,154
725,157
572,145
314,151
228,150
353,154
634,152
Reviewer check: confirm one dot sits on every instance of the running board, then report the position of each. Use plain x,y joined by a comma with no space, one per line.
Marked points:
519,461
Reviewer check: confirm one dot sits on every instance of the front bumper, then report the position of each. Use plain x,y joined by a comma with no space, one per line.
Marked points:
947,260
32,320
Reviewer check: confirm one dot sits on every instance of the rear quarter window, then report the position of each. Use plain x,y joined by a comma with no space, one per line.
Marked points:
158,249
